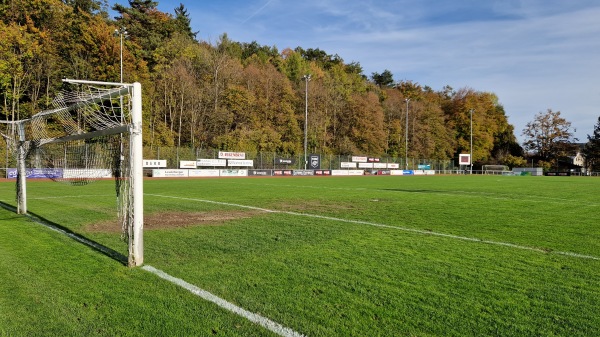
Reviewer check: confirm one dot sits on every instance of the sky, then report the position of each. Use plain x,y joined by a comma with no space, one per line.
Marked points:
534,55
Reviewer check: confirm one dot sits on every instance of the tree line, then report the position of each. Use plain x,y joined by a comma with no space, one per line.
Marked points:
239,96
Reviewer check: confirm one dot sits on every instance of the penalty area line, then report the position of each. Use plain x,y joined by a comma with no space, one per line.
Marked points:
405,229
255,318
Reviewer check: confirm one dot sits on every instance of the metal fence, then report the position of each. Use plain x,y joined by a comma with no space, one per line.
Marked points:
268,160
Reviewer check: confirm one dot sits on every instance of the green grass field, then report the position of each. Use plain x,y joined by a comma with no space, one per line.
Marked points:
322,256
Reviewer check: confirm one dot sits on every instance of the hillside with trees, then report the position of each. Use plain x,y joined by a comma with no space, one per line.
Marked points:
237,96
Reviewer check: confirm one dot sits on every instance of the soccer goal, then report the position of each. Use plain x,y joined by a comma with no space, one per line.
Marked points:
93,132
495,169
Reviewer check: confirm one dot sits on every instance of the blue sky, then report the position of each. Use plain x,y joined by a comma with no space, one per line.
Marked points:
534,54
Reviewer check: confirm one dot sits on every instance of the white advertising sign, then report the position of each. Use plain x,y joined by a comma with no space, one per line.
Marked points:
234,173
211,162
187,164
365,165
154,163
203,173
379,165
356,172
358,159
393,165
232,155
339,172
157,173
346,164
236,163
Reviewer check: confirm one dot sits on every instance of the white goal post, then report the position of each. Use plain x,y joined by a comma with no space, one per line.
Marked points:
84,138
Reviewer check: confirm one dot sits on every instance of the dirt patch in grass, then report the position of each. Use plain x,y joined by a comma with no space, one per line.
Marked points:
168,220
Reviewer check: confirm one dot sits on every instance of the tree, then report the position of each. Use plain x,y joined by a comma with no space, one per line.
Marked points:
592,148
385,79
548,136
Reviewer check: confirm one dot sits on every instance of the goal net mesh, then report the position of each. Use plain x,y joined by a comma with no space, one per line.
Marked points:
82,139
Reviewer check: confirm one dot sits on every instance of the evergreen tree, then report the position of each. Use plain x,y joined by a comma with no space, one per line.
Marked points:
592,148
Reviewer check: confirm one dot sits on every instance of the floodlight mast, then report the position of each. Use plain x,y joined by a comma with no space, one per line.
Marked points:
306,79
406,136
471,146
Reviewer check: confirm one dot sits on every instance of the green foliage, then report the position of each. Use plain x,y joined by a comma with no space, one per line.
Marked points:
592,148
513,161
385,79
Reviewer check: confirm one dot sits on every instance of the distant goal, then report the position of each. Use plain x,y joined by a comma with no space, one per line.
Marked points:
495,169
93,132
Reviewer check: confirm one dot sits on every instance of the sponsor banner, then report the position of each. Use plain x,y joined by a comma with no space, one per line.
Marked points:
36,173
282,172
339,172
303,173
211,162
322,172
429,172
237,163
424,166
358,159
408,172
379,165
557,174
203,173
264,173
314,161
383,172
419,172
373,160
162,173
346,164
234,173
393,165
464,159
232,155
347,172
157,163
187,164
87,173
365,165
356,172
397,172
285,161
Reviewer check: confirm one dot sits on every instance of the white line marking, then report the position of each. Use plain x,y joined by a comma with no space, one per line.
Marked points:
412,230
255,318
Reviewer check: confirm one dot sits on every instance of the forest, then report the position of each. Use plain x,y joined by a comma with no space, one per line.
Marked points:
238,96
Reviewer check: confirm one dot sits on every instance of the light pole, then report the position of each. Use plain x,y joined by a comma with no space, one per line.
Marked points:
121,32
406,136
306,78
471,146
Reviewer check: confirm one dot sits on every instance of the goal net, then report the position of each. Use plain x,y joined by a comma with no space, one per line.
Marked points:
495,169
92,133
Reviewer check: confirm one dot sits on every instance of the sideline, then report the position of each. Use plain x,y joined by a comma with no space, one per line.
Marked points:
405,229
255,318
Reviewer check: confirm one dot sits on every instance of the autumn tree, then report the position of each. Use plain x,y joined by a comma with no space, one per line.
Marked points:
548,137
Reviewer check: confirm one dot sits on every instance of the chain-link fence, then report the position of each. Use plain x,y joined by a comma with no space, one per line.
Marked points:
270,160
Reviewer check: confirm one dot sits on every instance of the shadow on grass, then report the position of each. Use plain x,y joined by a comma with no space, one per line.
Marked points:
113,254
